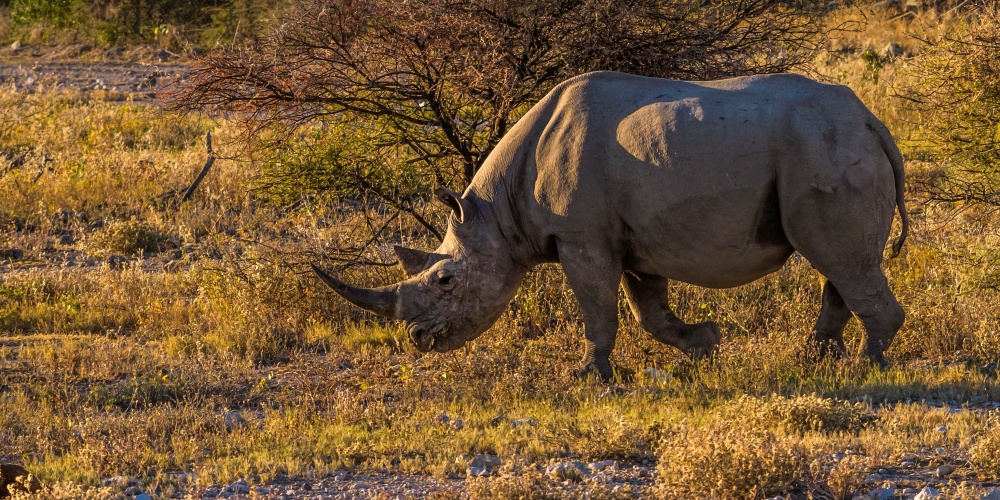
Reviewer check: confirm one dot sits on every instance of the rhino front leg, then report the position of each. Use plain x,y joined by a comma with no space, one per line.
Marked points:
647,297
593,275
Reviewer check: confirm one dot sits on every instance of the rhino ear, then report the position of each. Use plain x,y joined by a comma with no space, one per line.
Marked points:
413,261
460,206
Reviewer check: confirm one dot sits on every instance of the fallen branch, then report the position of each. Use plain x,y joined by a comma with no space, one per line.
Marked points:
204,170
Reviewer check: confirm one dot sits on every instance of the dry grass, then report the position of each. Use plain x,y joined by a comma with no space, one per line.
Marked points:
131,370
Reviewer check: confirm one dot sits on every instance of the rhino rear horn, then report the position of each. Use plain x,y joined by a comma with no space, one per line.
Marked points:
413,261
381,301
461,207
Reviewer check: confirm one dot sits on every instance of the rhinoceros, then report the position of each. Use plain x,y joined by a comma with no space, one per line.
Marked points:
637,181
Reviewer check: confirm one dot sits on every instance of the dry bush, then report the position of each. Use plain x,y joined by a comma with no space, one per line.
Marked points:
985,454
728,460
842,479
130,237
798,414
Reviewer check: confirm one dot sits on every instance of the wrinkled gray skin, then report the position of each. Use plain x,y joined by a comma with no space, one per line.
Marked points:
635,181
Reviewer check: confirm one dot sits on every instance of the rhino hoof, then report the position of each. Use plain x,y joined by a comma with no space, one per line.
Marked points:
709,335
593,367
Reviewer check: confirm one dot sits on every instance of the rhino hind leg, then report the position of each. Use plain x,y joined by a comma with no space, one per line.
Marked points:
828,333
647,298
593,276
867,294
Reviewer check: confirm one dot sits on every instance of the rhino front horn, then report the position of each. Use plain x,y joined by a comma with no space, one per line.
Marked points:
381,301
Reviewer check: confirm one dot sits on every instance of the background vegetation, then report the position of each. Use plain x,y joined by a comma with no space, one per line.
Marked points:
133,329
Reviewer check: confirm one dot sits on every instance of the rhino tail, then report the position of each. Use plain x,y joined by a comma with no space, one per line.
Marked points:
896,160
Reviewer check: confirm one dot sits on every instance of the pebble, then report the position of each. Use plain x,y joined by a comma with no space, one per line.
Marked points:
881,494
838,456
143,496
15,45
604,464
119,481
457,424
239,487
945,469
523,421
927,494
483,465
942,429
572,471
442,418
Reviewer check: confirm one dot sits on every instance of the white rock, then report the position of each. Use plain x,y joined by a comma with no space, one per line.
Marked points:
483,465
604,464
119,481
945,469
942,428
927,494
239,487
572,471
881,494
16,45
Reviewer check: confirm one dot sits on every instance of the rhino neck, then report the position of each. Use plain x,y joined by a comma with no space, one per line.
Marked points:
511,221
506,182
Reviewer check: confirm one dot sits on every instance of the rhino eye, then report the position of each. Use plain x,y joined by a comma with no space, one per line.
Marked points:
446,280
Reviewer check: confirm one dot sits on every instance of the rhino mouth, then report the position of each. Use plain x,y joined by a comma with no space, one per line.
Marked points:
425,339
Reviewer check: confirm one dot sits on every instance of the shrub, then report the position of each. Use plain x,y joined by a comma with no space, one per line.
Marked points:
728,460
985,454
799,414
131,237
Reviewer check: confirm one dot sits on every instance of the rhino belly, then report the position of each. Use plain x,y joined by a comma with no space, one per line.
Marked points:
720,240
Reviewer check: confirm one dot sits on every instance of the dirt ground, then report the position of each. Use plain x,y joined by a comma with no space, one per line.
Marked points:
138,74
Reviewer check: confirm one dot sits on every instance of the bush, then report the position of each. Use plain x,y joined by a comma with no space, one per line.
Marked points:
728,460
130,237
985,454
799,414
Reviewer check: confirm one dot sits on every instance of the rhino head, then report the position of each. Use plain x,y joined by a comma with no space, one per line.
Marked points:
451,295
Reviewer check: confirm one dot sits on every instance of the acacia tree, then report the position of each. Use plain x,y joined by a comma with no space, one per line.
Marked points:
431,86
